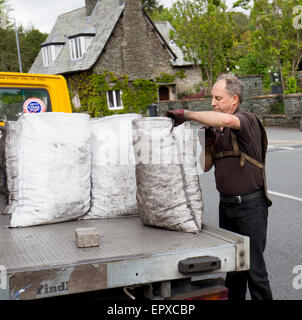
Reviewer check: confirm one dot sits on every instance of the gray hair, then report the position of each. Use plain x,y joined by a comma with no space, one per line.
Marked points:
233,85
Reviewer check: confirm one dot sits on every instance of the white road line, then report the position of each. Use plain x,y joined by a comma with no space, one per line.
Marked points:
287,148
284,195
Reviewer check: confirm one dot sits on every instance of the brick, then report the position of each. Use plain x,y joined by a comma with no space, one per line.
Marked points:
87,237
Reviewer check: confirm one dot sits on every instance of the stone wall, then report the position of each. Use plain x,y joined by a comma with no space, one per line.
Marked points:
252,85
191,79
134,49
292,103
260,105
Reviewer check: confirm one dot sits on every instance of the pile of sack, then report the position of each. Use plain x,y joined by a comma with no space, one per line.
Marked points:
59,167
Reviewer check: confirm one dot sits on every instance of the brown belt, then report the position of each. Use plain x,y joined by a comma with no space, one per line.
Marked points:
239,199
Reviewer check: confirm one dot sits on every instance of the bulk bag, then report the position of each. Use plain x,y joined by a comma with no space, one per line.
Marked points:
11,165
168,189
3,179
113,191
54,168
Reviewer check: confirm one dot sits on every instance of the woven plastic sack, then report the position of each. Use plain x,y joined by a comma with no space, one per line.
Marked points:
11,164
113,191
3,179
54,168
168,189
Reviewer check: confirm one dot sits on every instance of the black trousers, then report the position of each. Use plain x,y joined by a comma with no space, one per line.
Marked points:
248,218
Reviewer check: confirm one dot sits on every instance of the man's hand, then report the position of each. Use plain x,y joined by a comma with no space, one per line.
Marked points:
179,116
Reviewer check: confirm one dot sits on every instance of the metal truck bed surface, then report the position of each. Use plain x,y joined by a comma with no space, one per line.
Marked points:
44,261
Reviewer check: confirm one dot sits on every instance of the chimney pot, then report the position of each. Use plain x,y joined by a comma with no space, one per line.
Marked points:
90,5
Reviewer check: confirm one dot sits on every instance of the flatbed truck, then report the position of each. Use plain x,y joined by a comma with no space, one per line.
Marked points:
133,261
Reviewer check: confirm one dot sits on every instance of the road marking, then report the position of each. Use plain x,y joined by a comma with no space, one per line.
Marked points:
284,195
278,148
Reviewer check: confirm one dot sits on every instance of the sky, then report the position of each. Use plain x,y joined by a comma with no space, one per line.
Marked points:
43,17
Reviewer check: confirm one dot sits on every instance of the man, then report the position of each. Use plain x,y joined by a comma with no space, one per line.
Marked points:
236,145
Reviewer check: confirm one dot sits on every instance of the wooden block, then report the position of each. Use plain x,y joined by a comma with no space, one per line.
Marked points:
87,237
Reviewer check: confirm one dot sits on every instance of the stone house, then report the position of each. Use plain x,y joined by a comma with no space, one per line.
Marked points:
118,36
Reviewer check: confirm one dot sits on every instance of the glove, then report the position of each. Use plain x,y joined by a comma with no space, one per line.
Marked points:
179,116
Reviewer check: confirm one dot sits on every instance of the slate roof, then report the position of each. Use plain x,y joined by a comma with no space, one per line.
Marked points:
101,23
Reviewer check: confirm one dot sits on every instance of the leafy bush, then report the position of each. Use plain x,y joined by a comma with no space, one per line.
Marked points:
92,90
291,85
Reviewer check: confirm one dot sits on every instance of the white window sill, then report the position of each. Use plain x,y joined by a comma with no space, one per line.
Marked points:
116,108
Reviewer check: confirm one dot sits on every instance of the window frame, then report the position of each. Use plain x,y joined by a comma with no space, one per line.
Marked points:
115,106
50,54
78,46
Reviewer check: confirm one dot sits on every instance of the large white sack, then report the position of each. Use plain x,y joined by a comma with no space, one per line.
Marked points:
168,189
54,168
11,164
113,190
3,184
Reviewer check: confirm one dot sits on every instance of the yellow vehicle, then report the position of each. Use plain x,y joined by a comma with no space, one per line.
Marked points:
32,93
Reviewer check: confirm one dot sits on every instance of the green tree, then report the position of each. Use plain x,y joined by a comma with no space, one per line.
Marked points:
8,51
240,24
151,5
30,41
273,35
203,31
4,13
163,14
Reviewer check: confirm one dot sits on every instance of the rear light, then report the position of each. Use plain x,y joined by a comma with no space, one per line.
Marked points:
210,293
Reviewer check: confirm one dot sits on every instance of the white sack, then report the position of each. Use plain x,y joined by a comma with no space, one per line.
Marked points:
3,186
54,167
168,189
11,164
113,191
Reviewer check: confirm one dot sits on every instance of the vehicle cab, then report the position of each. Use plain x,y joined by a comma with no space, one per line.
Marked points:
32,93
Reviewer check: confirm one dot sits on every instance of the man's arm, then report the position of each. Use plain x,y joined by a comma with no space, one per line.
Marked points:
214,119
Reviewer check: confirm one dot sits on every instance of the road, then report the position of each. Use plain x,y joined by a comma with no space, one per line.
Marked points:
283,252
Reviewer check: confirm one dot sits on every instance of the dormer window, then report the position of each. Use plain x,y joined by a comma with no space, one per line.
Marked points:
79,43
78,46
50,53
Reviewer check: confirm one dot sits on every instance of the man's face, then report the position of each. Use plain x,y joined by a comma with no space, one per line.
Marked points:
221,100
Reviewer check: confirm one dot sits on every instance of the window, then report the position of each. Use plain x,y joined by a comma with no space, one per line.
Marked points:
78,46
12,101
50,53
114,100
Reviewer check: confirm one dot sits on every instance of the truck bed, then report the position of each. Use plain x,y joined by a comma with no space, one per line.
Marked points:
44,261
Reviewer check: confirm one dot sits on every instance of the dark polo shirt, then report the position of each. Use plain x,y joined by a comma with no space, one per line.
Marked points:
231,178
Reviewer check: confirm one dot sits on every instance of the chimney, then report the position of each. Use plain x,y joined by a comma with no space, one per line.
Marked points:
137,60
90,5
